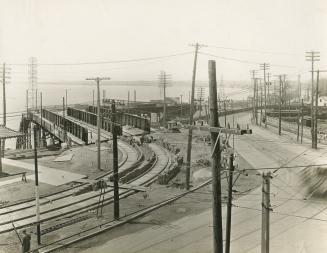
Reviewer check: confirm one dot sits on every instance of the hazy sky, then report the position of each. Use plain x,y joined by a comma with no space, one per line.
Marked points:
68,31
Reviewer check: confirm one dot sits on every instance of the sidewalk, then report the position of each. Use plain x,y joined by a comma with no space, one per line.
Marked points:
46,175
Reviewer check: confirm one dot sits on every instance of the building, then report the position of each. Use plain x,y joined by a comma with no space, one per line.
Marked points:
322,101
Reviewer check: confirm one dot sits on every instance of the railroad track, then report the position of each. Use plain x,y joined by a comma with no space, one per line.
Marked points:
106,226
69,205
22,213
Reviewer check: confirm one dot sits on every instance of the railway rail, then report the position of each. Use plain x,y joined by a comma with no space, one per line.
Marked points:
109,225
16,212
69,205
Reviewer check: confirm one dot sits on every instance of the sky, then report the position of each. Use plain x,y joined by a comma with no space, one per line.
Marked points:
242,33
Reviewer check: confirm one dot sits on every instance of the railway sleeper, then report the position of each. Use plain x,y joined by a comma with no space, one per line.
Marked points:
65,224
138,172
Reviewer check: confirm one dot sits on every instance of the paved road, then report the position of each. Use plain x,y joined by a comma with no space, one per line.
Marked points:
298,222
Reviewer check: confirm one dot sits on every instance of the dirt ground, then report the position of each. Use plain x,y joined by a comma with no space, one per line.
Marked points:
189,205
83,162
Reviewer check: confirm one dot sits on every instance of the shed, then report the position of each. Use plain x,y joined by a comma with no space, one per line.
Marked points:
7,133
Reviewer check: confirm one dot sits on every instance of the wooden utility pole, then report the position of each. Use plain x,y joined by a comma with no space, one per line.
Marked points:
229,202
103,95
115,162
36,99
41,108
301,120
264,67
298,126
66,98
232,108
265,230
268,85
260,102
225,113
256,100
189,97
316,112
299,87
280,106
63,115
98,79
253,72
163,78
5,76
41,116
189,140
165,109
216,165
37,195
206,111
312,56
181,106
128,102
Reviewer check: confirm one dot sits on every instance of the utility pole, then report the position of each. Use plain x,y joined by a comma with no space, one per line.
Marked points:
115,161
28,134
225,113
229,203
260,102
264,67
316,112
134,96
36,100
41,116
128,102
206,111
301,120
256,100
298,126
5,77
280,106
268,85
103,95
181,105
32,76
189,140
63,115
98,79
200,95
37,195
312,56
265,230
189,97
253,72
163,79
299,87
232,108
216,131
66,98
216,165
41,108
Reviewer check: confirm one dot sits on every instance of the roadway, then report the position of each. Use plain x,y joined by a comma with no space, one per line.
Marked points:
298,220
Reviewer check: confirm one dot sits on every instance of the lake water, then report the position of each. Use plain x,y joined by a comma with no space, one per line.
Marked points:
82,93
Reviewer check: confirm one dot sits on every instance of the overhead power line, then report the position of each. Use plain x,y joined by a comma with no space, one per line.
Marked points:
253,51
104,62
243,61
